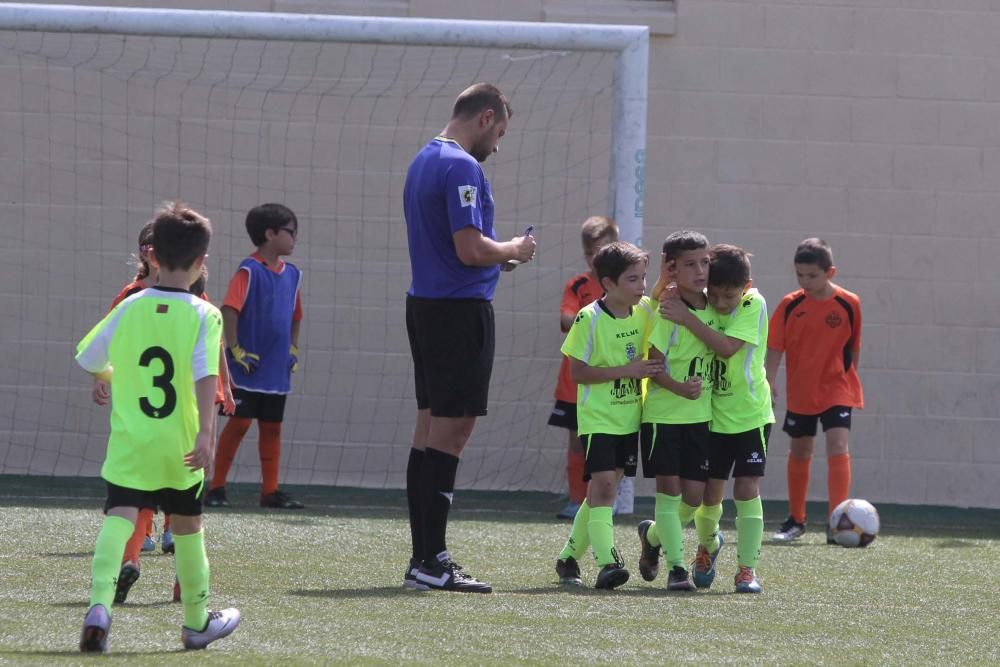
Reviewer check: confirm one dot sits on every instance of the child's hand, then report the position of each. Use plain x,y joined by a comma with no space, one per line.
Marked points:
644,368
248,360
100,392
294,353
201,456
228,402
674,310
669,293
690,388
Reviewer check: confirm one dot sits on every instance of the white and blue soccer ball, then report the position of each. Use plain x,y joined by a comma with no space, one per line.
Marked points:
854,523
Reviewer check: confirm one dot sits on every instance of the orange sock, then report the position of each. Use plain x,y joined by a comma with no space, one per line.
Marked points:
229,443
574,475
798,487
134,545
838,479
270,455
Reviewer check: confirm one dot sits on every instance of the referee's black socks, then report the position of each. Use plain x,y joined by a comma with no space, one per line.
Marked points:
414,472
437,484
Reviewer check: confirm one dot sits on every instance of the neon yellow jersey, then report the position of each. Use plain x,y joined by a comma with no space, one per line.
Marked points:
158,343
686,356
741,396
599,339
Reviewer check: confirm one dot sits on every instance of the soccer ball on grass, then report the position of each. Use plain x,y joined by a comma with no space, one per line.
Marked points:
854,523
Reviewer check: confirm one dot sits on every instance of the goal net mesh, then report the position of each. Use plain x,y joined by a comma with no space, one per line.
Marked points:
97,130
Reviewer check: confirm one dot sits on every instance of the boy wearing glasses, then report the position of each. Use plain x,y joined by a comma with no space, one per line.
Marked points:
261,315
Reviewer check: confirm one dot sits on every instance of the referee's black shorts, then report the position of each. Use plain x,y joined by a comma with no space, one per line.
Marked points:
452,342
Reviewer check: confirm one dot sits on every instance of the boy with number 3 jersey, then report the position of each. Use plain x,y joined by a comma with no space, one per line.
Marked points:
159,350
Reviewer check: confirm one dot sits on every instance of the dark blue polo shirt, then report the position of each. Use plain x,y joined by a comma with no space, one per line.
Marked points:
446,190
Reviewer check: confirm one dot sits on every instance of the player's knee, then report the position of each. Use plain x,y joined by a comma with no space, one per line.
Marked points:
744,488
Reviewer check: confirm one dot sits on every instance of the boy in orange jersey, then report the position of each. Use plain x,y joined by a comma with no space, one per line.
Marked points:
581,290
818,327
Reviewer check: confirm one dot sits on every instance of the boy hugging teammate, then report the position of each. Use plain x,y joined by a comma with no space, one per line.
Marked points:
677,408
741,412
605,347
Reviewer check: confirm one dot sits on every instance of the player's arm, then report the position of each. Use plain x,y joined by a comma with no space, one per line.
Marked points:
689,390
854,348
582,373
474,249
724,346
771,362
204,449
569,306
104,375
230,322
668,277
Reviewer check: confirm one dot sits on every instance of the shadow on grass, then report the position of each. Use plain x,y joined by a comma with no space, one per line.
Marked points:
483,506
956,544
82,604
113,655
354,593
66,554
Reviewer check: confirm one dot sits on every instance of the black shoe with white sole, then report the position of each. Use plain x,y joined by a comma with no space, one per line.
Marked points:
447,575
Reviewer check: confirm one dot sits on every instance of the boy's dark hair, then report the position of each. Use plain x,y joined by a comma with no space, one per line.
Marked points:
268,216
145,243
679,242
612,260
479,97
815,251
180,236
198,286
729,267
597,227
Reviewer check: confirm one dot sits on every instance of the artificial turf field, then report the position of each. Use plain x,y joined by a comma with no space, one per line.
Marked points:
322,586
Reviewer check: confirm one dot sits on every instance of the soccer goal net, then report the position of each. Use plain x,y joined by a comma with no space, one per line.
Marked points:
106,113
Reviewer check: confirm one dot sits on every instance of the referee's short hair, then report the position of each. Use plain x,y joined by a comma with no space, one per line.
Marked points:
612,260
479,97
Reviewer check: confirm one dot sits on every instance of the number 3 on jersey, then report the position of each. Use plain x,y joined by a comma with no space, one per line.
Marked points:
161,382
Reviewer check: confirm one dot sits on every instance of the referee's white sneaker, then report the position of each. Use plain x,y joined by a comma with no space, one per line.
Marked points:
220,624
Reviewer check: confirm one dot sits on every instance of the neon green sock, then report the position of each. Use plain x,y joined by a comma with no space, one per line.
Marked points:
668,528
749,531
192,573
108,551
706,522
685,513
602,535
579,537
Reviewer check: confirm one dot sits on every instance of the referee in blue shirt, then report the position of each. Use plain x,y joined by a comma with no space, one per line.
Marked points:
456,263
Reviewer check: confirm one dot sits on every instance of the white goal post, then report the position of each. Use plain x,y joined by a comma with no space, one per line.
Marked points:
627,175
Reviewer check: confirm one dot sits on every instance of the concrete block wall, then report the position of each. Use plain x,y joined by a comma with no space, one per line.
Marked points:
872,123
